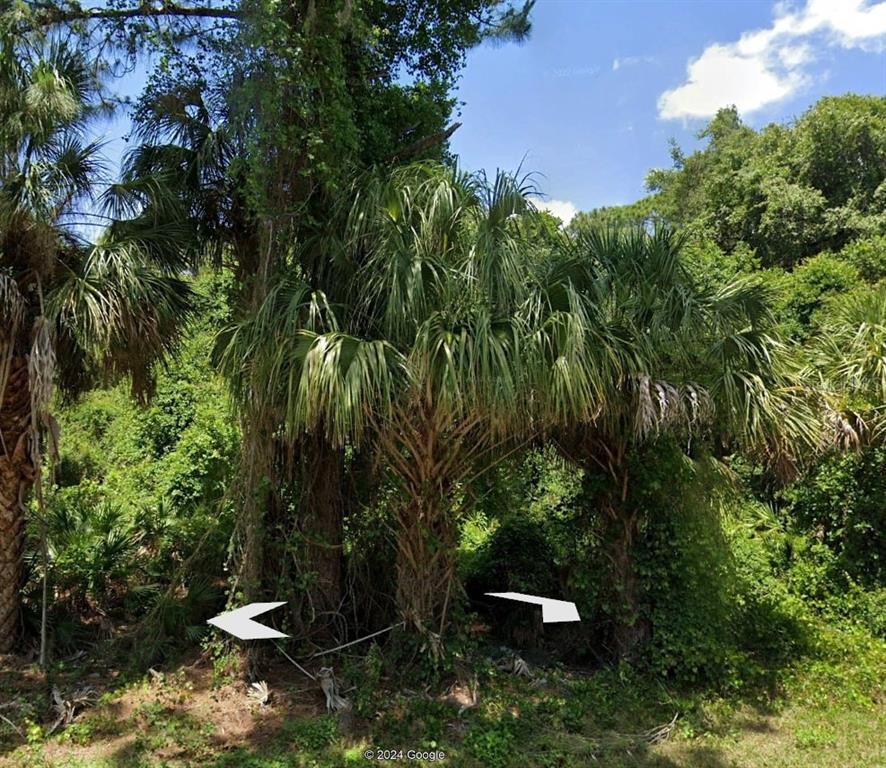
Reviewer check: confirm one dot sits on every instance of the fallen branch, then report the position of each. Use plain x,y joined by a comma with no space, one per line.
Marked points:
358,640
617,742
661,733
10,723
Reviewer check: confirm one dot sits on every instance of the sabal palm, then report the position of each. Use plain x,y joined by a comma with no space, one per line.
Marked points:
633,348
657,350
849,354
423,355
180,171
851,350
190,167
453,336
69,308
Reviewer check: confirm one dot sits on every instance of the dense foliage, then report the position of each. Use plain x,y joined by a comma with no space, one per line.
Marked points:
771,557
376,387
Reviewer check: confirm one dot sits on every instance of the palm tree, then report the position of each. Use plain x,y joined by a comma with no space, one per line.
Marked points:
633,349
851,349
191,166
423,358
187,168
454,337
70,309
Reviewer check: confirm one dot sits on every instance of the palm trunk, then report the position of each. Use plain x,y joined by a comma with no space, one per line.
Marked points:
425,563
429,456
320,514
630,629
16,478
324,529
621,528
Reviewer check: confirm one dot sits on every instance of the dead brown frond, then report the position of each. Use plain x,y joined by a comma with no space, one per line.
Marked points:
843,430
66,709
12,314
660,405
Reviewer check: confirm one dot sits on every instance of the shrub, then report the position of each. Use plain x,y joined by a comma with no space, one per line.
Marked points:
807,290
490,739
868,256
839,503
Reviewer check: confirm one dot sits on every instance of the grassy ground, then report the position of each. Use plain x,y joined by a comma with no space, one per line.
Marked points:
825,711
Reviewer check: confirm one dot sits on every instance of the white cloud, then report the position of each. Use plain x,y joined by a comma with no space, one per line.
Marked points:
766,66
562,209
630,61
722,76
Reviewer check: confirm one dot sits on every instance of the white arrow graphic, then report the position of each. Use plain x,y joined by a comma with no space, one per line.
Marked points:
552,611
239,622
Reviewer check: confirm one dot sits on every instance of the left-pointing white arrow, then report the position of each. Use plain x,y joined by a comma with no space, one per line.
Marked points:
239,622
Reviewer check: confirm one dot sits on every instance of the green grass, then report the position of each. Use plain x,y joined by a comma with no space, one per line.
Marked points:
825,711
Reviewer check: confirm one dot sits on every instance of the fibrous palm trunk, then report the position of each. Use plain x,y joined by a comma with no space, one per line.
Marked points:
425,568
622,521
429,456
16,478
630,629
621,528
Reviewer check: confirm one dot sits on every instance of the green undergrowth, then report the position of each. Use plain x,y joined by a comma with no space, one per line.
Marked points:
825,709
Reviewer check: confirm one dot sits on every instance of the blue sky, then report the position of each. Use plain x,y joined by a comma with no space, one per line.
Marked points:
590,101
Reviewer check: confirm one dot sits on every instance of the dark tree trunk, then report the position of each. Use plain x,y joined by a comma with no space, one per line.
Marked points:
622,520
630,628
320,516
599,456
16,478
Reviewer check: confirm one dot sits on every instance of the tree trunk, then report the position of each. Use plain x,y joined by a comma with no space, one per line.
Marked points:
621,528
630,629
16,478
323,527
256,478
425,562
429,456
320,514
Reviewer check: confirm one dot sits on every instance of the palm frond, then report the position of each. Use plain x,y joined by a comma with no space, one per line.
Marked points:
851,348
122,311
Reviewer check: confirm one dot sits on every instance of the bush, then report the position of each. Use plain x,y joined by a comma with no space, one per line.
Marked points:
808,289
868,256
839,503
516,557
490,739
138,491
93,548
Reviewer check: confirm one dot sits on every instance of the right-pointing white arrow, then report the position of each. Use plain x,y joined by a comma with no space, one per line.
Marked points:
552,611
239,622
